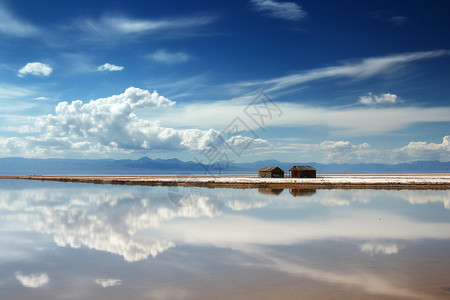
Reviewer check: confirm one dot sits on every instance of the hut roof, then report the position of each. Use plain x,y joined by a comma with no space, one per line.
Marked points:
268,169
303,168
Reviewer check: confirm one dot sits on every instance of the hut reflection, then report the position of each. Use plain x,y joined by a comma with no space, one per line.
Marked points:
302,192
270,191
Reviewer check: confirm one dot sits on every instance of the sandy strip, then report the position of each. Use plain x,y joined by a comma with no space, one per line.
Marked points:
374,181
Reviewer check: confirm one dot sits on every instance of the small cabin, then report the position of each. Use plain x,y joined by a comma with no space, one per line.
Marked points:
270,191
271,172
302,172
302,192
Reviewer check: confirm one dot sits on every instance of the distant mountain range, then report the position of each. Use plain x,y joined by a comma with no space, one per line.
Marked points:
145,165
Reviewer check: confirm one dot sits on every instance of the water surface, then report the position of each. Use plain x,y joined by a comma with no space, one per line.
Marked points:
73,241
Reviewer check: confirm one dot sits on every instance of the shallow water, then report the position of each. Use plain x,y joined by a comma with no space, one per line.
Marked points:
73,241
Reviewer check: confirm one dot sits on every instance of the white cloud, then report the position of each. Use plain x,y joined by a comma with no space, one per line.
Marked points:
169,57
110,28
344,152
13,92
104,282
388,16
10,25
109,67
398,20
360,69
36,69
111,125
41,98
372,99
349,121
424,151
33,280
373,248
283,10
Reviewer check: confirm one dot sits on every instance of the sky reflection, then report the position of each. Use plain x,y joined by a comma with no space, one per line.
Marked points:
103,236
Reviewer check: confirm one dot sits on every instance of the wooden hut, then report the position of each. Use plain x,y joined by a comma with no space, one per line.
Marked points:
271,172
270,191
302,192
302,172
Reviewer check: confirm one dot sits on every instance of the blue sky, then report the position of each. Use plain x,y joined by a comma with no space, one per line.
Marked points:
323,81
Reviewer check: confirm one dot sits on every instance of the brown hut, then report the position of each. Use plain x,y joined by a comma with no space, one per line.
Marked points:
270,191
302,192
271,172
302,172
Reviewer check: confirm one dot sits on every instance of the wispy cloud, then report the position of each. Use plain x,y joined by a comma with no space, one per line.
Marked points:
13,92
163,56
13,26
283,10
388,16
349,121
109,67
110,28
36,69
358,69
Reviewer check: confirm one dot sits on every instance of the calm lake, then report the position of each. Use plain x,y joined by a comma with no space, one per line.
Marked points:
82,241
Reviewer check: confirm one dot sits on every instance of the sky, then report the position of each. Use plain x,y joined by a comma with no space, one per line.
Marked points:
298,81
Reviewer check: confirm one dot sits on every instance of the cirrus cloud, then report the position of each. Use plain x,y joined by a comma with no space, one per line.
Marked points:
163,56
11,25
283,10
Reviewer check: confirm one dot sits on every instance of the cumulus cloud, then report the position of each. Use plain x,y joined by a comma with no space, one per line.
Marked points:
163,56
371,99
36,69
373,248
111,125
13,26
425,151
104,282
33,280
109,67
282,10
344,151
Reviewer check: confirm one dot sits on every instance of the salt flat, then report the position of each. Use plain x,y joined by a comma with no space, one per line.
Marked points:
371,181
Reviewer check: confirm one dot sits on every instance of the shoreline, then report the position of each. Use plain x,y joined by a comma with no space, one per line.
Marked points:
359,181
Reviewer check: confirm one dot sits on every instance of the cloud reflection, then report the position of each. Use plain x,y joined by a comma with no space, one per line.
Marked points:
138,222
33,280
104,282
373,248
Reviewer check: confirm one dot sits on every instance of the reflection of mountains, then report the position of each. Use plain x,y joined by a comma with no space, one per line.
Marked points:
108,220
